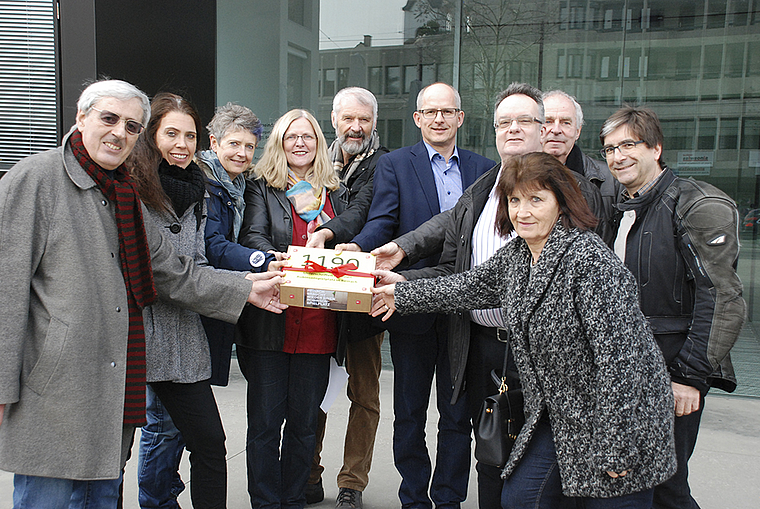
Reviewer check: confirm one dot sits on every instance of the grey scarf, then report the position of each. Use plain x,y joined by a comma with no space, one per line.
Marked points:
236,187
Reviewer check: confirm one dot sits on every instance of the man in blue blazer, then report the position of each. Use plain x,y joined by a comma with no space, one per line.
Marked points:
413,184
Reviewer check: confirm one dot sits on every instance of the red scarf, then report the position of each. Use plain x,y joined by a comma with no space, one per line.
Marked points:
135,266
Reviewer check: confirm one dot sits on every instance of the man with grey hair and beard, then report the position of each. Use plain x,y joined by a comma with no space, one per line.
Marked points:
354,154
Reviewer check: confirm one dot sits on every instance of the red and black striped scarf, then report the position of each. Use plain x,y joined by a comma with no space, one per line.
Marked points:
135,266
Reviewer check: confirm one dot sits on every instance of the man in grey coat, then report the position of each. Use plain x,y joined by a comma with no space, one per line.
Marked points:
77,264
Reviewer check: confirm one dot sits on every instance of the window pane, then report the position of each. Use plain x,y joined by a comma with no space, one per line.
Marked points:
393,80
729,133
376,80
329,84
410,74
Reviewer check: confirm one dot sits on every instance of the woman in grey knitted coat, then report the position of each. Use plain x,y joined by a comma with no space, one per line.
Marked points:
598,403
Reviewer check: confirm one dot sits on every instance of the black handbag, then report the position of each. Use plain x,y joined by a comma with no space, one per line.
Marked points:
499,422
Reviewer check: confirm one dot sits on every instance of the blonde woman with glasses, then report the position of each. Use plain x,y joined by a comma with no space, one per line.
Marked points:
286,358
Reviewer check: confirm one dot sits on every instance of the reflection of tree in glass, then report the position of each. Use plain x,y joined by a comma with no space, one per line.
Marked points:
501,42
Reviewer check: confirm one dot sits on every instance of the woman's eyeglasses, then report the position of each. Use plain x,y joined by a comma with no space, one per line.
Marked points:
306,138
111,119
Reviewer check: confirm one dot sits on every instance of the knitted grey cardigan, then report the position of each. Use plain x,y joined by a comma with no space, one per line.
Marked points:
584,353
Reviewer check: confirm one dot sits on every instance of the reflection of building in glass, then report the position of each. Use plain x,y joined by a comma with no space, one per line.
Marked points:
696,63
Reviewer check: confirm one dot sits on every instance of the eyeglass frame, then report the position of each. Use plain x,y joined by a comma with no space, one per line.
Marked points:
620,146
293,138
502,125
425,113
119,118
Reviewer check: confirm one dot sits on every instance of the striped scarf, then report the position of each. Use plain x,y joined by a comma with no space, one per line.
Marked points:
135,266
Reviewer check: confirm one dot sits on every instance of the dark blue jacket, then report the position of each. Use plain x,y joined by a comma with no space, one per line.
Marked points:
223,252
404,197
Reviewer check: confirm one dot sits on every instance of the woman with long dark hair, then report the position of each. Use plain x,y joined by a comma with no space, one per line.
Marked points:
178,364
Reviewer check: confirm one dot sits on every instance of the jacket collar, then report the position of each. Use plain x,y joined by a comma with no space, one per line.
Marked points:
76,173
575,160
583,164
650,196
536,280
424,172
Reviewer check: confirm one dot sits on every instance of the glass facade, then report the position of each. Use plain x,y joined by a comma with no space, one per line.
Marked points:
696,63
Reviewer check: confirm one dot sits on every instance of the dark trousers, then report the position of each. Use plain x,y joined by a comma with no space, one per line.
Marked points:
286,388
416,358
675,493
486,354
193,409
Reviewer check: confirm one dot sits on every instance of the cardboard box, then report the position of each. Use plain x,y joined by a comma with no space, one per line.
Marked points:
322,279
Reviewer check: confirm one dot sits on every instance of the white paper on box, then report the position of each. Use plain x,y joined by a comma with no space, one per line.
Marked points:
322,288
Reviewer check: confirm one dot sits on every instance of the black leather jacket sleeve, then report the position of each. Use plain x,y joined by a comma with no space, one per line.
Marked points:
350,222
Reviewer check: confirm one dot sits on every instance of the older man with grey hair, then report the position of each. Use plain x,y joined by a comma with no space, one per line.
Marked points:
563,125
78,265
354,155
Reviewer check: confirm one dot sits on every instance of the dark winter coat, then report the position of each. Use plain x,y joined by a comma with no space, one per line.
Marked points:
452,233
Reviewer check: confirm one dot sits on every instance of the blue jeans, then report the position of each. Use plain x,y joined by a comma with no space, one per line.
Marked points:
535,483
32,492
675,493
161,447
416,358
281,387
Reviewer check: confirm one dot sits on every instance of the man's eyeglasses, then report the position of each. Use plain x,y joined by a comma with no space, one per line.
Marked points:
307,138
625,148
522,121
431,113
110,118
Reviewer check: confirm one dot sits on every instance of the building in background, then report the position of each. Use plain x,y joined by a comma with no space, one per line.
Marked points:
695,62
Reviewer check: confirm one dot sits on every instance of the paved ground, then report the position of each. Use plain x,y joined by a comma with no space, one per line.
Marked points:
723,469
